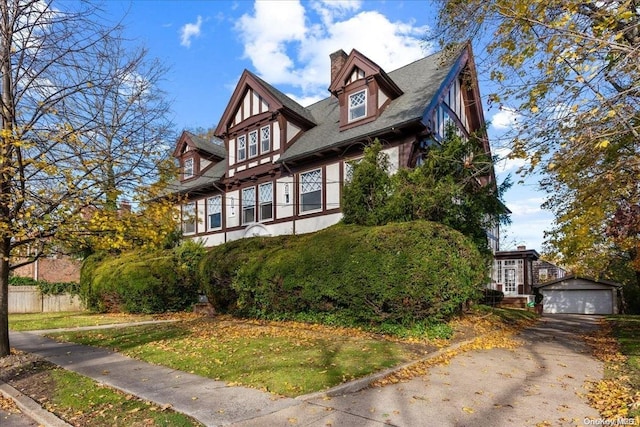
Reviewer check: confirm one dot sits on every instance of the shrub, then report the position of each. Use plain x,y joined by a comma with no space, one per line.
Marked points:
46,288
491,297
142,282
399,273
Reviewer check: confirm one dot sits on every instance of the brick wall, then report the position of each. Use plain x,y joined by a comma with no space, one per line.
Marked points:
62,269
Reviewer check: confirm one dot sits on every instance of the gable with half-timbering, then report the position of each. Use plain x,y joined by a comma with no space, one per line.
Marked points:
276,167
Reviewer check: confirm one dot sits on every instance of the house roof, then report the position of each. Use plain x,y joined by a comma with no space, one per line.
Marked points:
517,254
285,100
419,81
205,179
214,146
572,277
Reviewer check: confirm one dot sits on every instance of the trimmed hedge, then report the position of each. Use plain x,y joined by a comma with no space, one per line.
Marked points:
140,282
46,288
399,273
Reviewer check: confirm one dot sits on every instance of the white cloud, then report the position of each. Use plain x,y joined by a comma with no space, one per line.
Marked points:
285,47
189,31
504,163
505,119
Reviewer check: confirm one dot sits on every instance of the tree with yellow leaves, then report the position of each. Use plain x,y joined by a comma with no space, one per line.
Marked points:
58,80
569,70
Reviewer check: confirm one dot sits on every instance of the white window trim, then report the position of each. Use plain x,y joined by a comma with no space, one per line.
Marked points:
191,207
244,207
262,150
260,203
349,118
188,171
209,213
244,139
255,132
305,212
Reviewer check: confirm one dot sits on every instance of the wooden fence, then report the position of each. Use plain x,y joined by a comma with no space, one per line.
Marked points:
29,299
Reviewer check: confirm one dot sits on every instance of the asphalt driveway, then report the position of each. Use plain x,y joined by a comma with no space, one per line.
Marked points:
541,383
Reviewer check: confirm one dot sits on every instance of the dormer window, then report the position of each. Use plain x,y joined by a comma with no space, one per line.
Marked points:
357,105
187,168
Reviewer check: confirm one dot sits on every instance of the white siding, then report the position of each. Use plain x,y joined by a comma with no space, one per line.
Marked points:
382,98
233,209
276,136
292,131
284,209
333,186
246,105
201,225
256,104
309,225
232,151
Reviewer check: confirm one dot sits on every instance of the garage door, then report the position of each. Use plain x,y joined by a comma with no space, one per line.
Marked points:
580,301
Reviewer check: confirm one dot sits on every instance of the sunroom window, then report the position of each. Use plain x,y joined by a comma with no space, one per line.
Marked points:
357,105
214,212
248,205
311,191
189,218
265,195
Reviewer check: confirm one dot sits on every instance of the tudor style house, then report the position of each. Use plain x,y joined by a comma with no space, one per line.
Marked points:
276,167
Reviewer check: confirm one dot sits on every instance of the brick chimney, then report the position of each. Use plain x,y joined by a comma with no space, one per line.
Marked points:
338,58
522,248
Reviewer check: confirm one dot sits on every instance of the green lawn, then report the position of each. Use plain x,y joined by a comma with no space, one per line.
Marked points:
626,330
39,321
287,358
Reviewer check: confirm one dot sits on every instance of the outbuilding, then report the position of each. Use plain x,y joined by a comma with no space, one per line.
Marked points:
579,295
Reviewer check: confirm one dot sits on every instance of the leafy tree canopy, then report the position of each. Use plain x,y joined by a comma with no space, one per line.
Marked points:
451,186
568,70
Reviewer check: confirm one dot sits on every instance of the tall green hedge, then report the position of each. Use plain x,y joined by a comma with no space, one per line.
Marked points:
142,282
401,272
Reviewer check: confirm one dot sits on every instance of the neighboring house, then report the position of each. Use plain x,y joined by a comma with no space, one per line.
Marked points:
276,167
544,271
512,274
580,295
54,269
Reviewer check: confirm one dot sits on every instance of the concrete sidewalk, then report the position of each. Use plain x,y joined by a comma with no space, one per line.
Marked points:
542,381
210,402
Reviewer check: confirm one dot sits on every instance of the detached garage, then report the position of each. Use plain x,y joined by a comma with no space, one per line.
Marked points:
579,295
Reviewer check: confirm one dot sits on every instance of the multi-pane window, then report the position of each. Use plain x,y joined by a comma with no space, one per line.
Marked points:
187,168
311,190
189,218
214,211
265,139
357,105
248,205
253,143
242,148
265,198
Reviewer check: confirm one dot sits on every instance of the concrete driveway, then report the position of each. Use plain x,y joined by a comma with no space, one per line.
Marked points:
540,383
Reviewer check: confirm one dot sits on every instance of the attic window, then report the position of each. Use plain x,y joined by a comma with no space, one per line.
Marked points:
357,105
187,168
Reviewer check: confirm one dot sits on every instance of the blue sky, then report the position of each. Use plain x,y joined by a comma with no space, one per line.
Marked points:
207,45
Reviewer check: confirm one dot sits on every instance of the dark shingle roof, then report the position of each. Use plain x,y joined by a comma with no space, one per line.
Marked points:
214,146
206,179
286,101
420,82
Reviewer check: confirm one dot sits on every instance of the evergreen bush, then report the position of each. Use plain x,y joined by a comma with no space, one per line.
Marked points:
401,273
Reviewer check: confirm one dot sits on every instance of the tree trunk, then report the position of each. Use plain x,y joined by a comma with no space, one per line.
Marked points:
5,247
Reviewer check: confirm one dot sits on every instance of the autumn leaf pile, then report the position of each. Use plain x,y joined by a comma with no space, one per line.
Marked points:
612,397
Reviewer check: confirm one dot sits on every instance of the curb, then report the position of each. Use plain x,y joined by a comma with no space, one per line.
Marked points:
31,408
362,383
